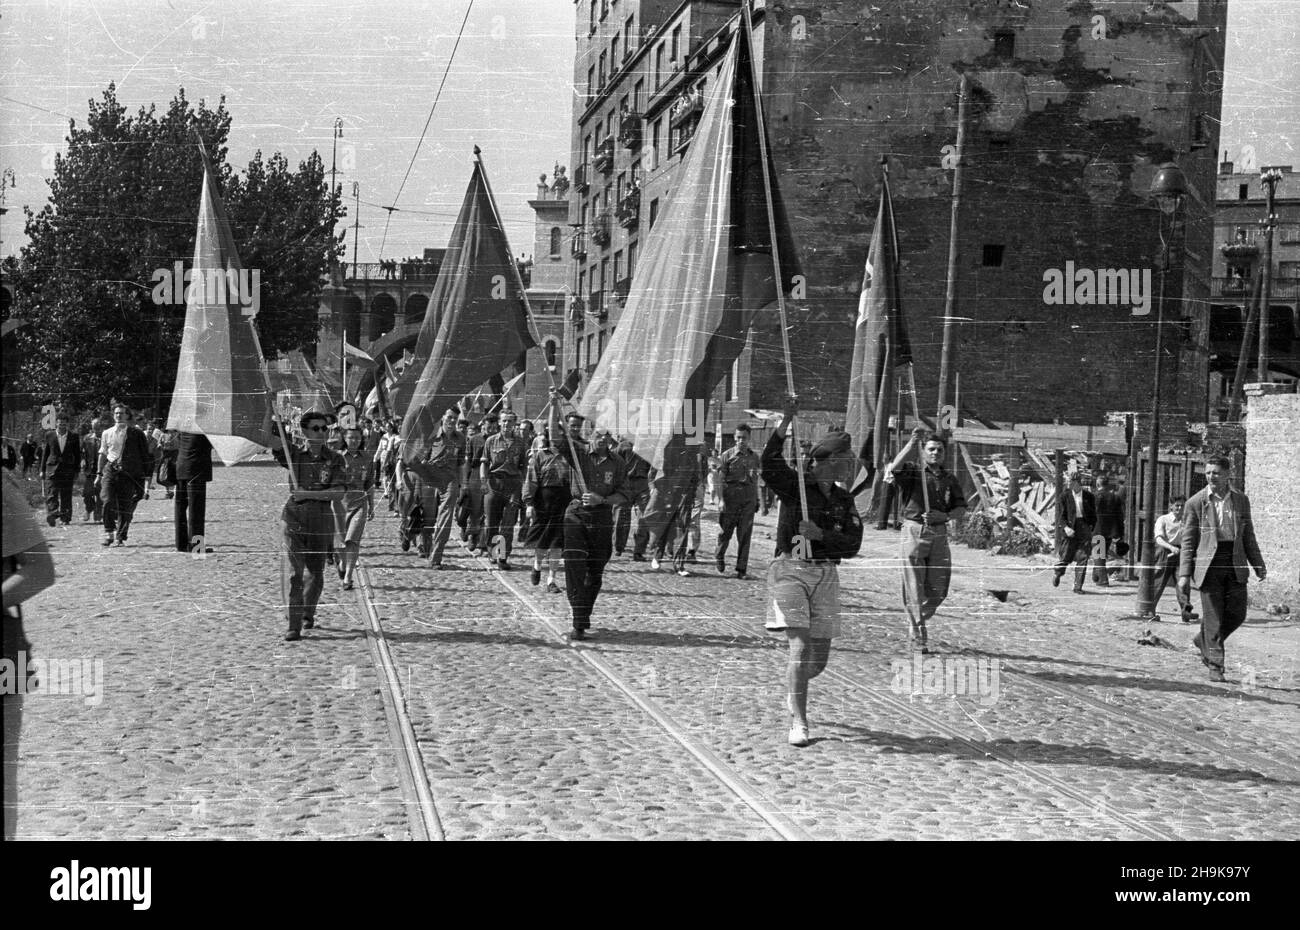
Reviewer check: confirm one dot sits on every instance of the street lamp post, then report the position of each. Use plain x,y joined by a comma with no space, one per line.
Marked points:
1168,187
1269,178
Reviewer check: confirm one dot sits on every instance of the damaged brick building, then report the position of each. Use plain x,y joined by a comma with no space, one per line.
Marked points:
1073,104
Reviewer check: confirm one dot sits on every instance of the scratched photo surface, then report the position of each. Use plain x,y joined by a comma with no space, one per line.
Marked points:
1020,561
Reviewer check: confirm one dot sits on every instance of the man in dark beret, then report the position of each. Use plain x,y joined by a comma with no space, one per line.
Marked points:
927,501
803,579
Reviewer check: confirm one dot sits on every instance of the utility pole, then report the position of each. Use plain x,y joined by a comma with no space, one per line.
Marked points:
950,298
356,224
1269,178
334,216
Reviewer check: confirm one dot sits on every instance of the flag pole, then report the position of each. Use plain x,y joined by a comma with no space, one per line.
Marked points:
916,412
343,355
776,251
523,292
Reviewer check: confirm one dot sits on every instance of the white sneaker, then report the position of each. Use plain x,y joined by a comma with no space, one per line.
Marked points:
683,572
798,735
654,564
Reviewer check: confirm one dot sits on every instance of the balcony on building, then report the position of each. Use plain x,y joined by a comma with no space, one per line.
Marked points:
603,159
629,209
622,287
629,132
689,104
600,230
581,181
579,248
1237,287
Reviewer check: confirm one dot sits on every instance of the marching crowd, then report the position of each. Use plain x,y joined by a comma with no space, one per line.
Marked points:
540,485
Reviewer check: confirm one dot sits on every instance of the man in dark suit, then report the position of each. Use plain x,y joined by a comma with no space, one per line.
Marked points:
1076,512
193,472
1218,544
125,474
27,452
1110,527
60,464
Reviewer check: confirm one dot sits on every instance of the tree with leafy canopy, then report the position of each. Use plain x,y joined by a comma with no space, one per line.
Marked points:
123,203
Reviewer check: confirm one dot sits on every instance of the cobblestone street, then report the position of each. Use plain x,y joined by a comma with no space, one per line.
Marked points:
668,724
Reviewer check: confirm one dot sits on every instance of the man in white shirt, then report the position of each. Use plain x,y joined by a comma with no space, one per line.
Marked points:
1169,538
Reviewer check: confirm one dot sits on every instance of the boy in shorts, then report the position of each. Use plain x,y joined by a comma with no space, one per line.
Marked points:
803,580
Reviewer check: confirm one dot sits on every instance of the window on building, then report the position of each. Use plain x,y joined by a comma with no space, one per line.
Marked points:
638,96
591,82
604,274
586,151
613,55
619,189
676,44
582,282
591,349
993,255
600,344
591,27
557,241
600,71
655,135
618,266
1288,271
1004,44
600,131
549,351
624,106
654,212
577,349
659,66
629,34
1243,192
634,175
733,392
631,258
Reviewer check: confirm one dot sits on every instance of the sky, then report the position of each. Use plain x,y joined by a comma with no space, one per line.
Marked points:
288,68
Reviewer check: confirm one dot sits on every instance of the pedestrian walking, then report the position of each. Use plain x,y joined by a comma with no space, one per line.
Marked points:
307,520
10,460
528,433
505,457
1168,539
1110,527
124,474
27,452
588,519
27,570
1218,543
358,504
737,472
803,581
637,496
926,509
60,463
189,506
435,486
166,457
1076,513
472,531
546,496
90,493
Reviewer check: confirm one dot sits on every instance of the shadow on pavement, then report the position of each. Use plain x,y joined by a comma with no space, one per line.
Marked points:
1033,752
1154,684
469,636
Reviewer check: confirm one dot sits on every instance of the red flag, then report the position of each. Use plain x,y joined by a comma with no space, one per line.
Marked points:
481,315
880,345
220,390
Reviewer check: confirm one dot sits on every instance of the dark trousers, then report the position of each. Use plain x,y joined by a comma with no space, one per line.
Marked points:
121,492
307,529
588,534
92,499
1076,549
741,523
887,507
188,512
58,500
469,515
1223,605
623,523
501,503
1169,575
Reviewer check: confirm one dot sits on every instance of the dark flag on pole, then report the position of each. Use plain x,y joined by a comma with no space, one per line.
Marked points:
880,346
220,389
476,325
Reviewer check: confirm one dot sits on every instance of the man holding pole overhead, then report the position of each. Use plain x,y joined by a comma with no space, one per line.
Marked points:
928,499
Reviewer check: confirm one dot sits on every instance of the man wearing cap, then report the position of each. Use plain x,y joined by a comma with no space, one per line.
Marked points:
738,469
307,521
505,458
926,509
1076,512
596,484
803,581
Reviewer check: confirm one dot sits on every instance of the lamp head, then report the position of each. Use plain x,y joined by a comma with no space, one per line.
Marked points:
1168,186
